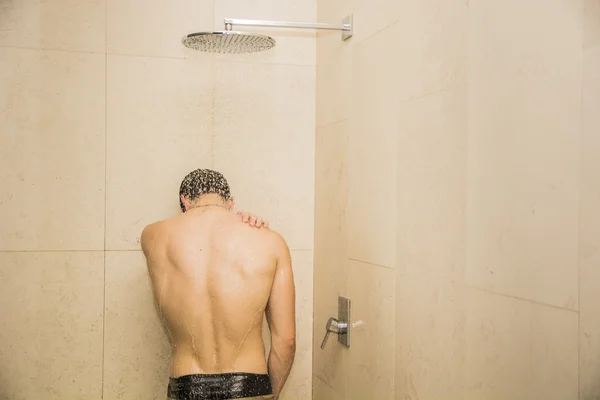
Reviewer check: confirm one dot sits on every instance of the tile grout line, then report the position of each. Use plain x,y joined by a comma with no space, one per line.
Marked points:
280,64
444,88
327,384
378,31
213,72
52,251
155,56
51,49
369,263
394,341
579,203
105,190
538,303
331,123
530,315
212,111
105,250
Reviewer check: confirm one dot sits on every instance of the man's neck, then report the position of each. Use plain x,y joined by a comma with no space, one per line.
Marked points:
208,203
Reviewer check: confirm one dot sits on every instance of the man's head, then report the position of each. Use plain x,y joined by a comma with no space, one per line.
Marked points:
204,184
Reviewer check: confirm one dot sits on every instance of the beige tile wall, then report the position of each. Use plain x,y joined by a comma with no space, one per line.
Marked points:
51,336
405,112
52,153
135,27
519,349
430,316
589,219
102,113
355,213
331,185
322,391
371,152
523,226
299,384
524,124
591,23
493,197
60,25
153,142
134,338
264,142
370,363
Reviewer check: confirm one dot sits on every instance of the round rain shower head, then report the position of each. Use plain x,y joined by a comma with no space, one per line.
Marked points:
231,42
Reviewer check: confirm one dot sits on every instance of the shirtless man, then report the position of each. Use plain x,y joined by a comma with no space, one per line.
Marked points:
214,277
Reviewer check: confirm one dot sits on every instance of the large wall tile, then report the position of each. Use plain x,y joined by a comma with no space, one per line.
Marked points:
299,383
155,28
330,10
51,336
293,46
430,314
372,17
137,349
323,392
371,353
430,334
431,202
264,143
334,89
524,123
589,257
51,150
519,350
592,23
158,130
372,152
498,356
334,65
554,358
58,24
433,36
330,247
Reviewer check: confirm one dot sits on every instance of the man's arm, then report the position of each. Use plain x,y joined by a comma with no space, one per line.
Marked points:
281,317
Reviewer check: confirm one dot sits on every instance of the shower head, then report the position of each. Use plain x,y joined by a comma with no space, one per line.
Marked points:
231,42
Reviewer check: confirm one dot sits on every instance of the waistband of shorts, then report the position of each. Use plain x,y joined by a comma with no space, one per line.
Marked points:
232,385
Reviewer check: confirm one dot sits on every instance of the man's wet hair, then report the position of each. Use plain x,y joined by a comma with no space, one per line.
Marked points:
203,181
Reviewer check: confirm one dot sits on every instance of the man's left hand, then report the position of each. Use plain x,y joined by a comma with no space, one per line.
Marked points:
252,220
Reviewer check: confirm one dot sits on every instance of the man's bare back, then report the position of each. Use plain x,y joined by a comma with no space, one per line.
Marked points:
214,277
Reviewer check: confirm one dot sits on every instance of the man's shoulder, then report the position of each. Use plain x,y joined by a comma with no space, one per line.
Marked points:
262,236
274,239
151,232
153,227
161,224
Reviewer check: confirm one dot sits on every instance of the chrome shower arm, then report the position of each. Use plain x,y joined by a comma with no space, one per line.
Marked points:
345,26
285,24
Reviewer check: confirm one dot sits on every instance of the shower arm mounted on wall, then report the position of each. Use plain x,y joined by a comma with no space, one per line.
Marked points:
346,26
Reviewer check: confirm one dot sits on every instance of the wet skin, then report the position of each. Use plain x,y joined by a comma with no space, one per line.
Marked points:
214,277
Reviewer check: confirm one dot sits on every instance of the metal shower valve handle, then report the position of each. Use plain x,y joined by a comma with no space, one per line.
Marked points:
334,326
341,325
